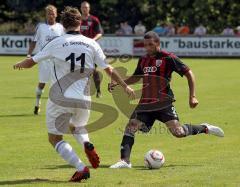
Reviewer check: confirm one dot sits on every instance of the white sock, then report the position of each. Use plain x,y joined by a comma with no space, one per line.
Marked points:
38,96
68,154
82,136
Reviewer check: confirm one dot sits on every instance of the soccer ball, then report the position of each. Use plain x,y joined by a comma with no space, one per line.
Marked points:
154,159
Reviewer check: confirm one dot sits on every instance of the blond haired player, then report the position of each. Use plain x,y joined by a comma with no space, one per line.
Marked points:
45,32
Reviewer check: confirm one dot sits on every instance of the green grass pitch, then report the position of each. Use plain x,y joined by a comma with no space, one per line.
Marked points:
27,159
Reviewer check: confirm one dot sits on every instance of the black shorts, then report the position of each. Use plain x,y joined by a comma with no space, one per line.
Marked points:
148,118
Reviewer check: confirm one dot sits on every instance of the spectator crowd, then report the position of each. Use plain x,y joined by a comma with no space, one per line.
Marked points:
124,28
170,29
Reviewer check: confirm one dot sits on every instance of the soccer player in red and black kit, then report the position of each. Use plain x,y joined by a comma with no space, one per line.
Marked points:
156,102
91,28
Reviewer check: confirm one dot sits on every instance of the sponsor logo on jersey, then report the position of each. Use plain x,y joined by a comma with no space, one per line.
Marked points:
158,63
84,27
89,23
50,38
150,69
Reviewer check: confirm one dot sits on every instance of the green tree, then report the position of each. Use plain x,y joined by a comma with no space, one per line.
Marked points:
214,14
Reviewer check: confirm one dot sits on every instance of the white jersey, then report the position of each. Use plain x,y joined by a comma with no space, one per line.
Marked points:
70,53
45,33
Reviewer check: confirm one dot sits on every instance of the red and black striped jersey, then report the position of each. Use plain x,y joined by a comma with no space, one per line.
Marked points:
90,27
156,72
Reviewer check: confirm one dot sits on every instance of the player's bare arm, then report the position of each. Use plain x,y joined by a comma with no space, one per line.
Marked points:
27,63
116,77
131,80
193,102
98,36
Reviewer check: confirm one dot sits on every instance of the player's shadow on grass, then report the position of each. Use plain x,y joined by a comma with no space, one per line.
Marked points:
65,166
57,167
28,97
16,115
30,181
168,166
104,166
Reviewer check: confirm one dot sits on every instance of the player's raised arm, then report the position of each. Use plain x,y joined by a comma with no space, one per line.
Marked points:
137,75
193,102
98,36
116,77
130,80
27,63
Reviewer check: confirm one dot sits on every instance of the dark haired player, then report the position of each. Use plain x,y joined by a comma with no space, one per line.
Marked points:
91,28
72,55
156,103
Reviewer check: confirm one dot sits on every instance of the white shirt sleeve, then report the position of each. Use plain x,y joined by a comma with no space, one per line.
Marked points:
63,30
99,57
44,54
37,33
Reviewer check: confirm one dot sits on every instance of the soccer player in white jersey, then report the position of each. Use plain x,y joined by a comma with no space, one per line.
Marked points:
74,56
45,32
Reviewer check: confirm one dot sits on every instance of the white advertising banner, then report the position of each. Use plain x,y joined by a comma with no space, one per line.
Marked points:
115,46
14,44
195,46
188,46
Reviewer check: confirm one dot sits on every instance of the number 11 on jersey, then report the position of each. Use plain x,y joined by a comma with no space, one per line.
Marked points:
73,61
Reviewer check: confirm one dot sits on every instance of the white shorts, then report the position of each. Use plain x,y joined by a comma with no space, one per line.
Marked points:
58,118
44,71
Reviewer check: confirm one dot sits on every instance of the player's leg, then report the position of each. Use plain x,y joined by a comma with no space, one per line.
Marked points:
44,71
182,131
142,121
55,131
78,122
39,92
66,151
97,82
170,118
126,144
203,128
187,129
